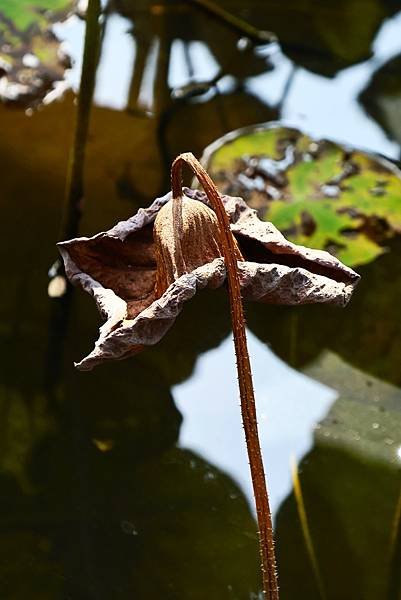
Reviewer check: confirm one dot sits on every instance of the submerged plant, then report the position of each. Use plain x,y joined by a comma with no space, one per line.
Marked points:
306,533
142,271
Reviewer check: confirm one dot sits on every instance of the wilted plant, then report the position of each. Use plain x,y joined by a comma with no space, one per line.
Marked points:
143,270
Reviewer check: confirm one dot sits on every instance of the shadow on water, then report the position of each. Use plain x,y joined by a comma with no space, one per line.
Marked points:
97,499
109,507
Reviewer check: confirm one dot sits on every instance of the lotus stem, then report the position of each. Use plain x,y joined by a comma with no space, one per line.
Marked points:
75,186
248,408
74,193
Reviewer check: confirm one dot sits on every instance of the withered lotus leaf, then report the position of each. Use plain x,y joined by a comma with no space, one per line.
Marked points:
140,275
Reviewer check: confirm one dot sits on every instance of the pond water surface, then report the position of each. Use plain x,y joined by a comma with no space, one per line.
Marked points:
132,481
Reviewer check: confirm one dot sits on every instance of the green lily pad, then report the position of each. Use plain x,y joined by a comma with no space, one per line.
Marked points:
318,193
31,60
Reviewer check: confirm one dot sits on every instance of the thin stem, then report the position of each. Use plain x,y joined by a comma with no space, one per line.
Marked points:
310,548
394,578
248,409
239,25
141,55
75,187
61,305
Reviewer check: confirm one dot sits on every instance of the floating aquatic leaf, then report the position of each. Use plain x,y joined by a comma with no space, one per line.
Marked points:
382,98
318,193
121,269
314,37
31,59
350,484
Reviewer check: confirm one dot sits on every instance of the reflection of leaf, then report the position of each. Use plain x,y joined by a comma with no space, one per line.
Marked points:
163,32
30,56
142,515
109,473
30,553
350,482
218,115
382,98
23,422
318,193
313,34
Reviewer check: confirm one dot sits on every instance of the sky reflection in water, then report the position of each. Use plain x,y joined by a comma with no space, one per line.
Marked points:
322,106
289,404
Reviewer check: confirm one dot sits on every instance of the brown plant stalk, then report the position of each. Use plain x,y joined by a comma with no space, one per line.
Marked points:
248,408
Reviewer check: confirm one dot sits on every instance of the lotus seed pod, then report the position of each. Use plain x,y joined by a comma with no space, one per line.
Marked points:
185,240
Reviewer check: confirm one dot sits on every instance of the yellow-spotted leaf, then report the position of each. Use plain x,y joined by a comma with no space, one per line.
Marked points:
31,60
318,193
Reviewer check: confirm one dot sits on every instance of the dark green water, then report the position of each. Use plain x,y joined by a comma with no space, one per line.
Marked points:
105,491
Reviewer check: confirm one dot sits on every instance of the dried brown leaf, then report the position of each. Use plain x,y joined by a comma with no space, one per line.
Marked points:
119,268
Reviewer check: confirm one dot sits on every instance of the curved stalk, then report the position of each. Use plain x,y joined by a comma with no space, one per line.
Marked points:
248,409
